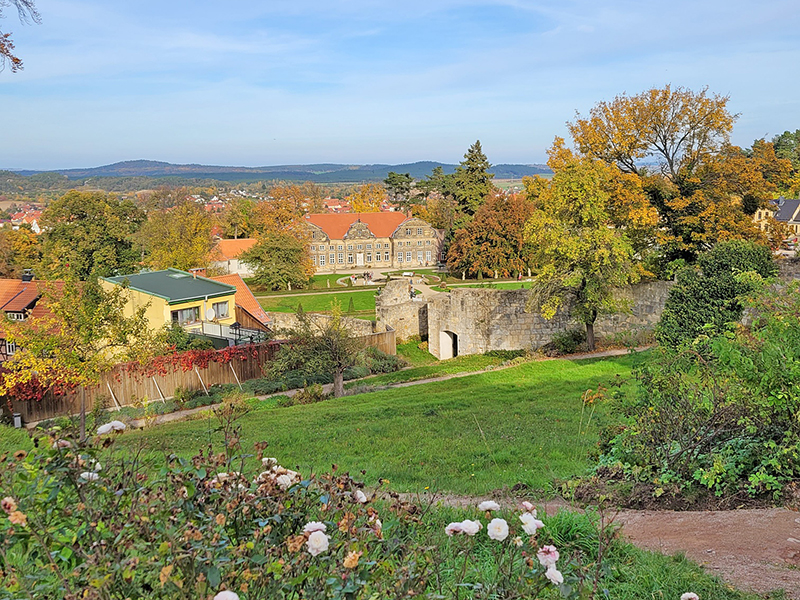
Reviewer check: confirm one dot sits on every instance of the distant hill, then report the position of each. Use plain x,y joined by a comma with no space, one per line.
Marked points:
319,173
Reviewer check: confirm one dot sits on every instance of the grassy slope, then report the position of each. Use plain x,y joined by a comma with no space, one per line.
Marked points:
466,435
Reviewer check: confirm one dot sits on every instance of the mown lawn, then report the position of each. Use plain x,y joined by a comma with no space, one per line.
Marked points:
466,435
363,302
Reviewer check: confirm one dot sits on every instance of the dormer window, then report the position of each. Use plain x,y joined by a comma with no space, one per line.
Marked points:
16,316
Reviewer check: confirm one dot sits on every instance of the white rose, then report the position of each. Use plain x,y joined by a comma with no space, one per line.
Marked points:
313,526
529,507
488,505
471,527
452,529
554,575
269,462
530,523
548,556
317,543
497,529
360,497
284,481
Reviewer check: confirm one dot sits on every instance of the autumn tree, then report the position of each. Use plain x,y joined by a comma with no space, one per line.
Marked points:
579,242
285,206
178,238
19,250
701,186
494,240
88,235
280,260
367,198
80,336
237,218
26,10
438,211
787,145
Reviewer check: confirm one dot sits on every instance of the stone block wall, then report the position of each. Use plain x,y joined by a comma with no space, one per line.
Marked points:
357,327
394,308
473,321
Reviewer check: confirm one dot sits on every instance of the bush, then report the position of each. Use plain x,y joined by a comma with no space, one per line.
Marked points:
569,341
183,394
377,361
706,298
722,415
355,373
310,394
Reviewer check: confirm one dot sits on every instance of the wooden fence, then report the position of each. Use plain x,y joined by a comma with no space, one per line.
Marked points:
122,387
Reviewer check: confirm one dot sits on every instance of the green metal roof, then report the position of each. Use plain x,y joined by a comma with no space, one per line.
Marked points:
174,286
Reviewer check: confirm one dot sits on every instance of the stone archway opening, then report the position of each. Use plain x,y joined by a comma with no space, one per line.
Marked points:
448,345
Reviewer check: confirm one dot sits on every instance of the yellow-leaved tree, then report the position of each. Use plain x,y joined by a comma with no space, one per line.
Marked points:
368,198
583,236
178,237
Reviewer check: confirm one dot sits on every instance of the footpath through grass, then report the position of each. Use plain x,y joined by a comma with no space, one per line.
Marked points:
467,435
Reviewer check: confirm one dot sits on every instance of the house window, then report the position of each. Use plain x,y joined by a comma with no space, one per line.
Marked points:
400,244
369,257
341,258
408,231
428,256
427,242
408,256
11,348
379,246
314,248
386,256
419,257
399,257
16,316
419,230
186,315
321,260
349,246
349,259
314,259
377,256
313,235
341,247
332,258
221,309
360,247
369,246
419,243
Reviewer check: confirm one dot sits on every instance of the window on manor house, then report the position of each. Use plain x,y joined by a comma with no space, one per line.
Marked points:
419,230
332,258
386,256
321,260
399,257
408,231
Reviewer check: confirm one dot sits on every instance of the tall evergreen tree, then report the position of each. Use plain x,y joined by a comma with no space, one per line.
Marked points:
472,180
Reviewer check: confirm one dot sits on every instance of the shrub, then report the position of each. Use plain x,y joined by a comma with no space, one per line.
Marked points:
721,415
377,361
183,394
706,298
355,373
568,342
310,394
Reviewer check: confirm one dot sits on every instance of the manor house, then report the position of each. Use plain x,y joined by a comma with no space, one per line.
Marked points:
383,240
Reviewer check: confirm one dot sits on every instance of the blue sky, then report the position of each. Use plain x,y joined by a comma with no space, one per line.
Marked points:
360,81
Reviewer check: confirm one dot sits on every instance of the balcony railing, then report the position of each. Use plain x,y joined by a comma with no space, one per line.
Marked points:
239,335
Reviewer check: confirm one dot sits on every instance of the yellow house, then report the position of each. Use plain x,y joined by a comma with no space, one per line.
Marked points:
198,304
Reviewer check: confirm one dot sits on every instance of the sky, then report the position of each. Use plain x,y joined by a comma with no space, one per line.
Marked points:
246,83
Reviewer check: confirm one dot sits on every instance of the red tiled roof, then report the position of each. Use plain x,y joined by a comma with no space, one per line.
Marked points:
229,249
382,224
244,297
17,295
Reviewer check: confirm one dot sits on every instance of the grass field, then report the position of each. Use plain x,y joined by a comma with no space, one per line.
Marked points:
363,302
467,435
319,283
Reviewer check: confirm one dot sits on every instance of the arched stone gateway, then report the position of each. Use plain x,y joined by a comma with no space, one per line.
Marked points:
448,344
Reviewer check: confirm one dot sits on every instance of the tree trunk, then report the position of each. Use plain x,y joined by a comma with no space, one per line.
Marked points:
590,336
338,384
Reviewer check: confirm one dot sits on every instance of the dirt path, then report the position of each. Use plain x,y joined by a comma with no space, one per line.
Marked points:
756,550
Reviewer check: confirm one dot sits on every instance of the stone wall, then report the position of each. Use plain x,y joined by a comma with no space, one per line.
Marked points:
358,327
473,321
394,308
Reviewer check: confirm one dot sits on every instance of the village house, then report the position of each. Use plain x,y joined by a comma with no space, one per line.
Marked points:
21,299
225,255
200,305
784,210
383,240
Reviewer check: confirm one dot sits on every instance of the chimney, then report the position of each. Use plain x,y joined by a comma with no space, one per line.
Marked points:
27,275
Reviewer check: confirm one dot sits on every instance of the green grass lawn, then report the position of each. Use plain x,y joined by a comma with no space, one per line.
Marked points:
363,302
467,435
319,283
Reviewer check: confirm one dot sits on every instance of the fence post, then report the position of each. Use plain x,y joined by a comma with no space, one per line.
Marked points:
160,393
205,389
230,364
113,397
